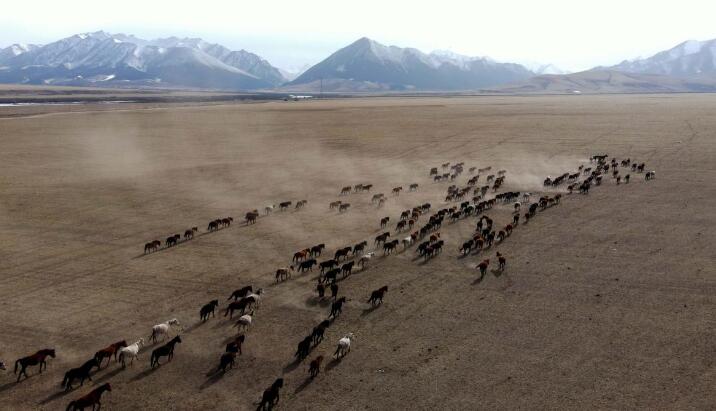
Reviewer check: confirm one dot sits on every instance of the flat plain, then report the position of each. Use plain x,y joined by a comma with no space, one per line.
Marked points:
608,300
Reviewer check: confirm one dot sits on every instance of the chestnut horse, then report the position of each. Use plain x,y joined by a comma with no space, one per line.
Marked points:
109,351
38,358
90,399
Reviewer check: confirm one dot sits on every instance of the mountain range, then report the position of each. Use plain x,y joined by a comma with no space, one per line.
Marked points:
119,60
369,64
101,58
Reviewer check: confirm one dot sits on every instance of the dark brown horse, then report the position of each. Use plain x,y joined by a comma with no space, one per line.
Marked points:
315,367
91,399
208,309
166,350
109,351
271,395
38,358
235,346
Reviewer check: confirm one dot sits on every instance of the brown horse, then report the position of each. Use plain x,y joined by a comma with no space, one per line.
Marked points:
315,367
38,358
109,351
91,399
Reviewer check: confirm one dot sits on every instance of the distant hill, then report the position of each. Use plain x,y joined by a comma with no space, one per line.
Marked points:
689,58
369,65
608,81
103,59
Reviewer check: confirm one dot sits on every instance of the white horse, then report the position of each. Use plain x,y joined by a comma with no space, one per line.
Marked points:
526,197
407,241
245,321
163,329
269,209
366,258
255,298
344,345
131,350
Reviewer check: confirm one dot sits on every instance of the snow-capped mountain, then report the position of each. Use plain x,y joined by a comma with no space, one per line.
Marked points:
541,68
688,58
394,68
124,59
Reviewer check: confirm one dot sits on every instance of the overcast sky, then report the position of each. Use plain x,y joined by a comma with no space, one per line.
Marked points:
573,35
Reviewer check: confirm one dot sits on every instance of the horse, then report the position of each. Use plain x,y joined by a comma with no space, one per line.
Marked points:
235,345
365,258
269,209
389,247
301,255
316,250
413,187
337,307
242,305
483,267
171,241
284,205
344,346
213,226
189,234
347,268
346,190
319,330
93,398
284,273
163,329
384,222
359,247
254,299
152,246
240,293
109,351
38,358
327,265
315,366
334,204
271,396
166,350
228,359
376,297
208,309
342,252
306,265
343,207
131,350
251,217
245,321
397,190
304,348
502,261
649,175
300,204
82,372
331,275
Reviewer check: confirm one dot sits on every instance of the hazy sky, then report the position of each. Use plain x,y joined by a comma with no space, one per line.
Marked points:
572,34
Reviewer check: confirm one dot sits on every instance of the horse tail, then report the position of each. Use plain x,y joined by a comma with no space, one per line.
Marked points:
70,405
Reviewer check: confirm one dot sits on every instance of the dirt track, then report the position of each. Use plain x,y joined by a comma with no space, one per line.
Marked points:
608,299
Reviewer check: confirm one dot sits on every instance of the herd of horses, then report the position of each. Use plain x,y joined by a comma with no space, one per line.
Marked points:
343,262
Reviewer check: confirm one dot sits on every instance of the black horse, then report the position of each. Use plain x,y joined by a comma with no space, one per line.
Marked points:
164,351
304,348
337,307
208,309
81,373
228,359
271,396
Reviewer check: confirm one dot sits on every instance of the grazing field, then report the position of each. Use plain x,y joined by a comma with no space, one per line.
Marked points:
607,299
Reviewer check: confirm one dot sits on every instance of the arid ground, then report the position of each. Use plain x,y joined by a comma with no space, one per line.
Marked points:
608,300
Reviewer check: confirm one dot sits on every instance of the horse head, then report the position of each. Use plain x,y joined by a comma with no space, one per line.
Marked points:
140,342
